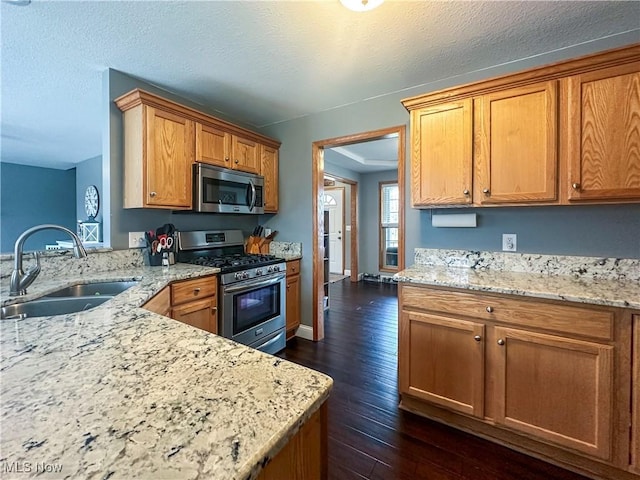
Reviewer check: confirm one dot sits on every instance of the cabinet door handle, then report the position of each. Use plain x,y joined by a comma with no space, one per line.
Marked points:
152,194
486,191
237,161
465,191
576,186
500,341
489,309
477,338
214,309
226,159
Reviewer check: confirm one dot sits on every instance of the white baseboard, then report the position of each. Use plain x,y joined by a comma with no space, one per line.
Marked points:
305,331
347,273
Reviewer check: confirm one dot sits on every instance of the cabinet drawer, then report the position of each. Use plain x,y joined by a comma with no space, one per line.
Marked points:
293,267
160,303
189,290
586,321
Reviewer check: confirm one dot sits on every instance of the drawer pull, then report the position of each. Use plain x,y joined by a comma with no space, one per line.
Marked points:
490,309
500,341
214,309
196,291
477,338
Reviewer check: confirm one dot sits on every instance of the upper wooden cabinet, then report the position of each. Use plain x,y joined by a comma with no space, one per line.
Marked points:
516,145
162,139
213,145
245,154
269,170
558,134
441,154
158,155
603,141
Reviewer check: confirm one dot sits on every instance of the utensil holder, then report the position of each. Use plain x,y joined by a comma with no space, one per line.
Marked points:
256,245
152,260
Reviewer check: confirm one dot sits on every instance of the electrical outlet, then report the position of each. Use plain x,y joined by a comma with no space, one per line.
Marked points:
136,240
509,242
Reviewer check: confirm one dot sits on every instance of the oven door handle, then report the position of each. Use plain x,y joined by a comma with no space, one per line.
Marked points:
254,197
250,284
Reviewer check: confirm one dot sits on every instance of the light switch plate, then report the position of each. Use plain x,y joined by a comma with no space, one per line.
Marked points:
136,240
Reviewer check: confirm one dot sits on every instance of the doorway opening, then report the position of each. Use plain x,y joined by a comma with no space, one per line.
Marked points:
318,204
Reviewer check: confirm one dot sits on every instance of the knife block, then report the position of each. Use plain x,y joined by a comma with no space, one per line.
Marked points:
255,245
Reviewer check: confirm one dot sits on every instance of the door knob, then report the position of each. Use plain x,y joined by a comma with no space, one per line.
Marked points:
339,238
477,338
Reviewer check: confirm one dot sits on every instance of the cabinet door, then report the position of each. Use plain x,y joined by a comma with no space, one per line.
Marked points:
245,154
635,397
168,159
604,134
213,145
442,361
555,388
201,314
515,150
293,304
269,170
441,154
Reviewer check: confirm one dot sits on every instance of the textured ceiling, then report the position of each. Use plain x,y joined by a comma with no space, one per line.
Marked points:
365,157
259,62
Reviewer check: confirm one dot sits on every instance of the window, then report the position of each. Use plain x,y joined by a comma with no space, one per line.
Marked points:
389,207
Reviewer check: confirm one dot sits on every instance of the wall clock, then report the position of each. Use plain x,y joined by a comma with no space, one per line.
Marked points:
91,202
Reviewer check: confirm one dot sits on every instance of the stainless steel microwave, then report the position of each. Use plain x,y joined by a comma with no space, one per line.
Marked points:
219,190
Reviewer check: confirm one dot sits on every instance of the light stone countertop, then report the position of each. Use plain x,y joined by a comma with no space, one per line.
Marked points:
290,258
585,289
118,392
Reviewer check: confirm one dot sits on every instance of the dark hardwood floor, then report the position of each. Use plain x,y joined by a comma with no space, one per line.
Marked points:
369,436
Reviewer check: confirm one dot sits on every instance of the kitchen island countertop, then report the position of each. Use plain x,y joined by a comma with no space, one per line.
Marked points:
120,392
614,293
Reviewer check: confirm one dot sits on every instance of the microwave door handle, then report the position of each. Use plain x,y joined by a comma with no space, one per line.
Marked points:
253,195
259,283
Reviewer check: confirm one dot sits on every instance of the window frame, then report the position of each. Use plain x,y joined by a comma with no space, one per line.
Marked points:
382,265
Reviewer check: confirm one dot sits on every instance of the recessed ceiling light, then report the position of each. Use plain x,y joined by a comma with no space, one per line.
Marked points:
19,3
361,5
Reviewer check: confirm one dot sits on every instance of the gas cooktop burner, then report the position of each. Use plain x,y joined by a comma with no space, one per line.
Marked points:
229,263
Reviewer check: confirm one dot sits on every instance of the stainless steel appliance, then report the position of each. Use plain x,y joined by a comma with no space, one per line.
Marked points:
219,190
252,288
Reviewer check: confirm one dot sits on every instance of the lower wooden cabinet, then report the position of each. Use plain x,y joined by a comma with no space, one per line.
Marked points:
194,302
635,397
201,314
293,297
449,346
549,378
160,303
555,388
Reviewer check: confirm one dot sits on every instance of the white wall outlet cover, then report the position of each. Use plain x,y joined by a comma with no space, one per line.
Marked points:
347,228
509,242
137,240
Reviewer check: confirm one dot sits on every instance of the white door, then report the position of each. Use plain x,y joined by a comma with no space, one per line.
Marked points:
333,203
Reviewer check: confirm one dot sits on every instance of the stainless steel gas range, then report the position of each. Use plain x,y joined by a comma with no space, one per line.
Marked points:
252,288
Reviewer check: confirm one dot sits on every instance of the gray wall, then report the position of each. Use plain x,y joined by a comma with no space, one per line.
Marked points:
544,230
370,228
88,173
121,221
31,196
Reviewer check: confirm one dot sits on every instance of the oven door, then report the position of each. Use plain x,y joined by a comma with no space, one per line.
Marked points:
253,309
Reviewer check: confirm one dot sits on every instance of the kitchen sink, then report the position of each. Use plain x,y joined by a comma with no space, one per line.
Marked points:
96,289
47,306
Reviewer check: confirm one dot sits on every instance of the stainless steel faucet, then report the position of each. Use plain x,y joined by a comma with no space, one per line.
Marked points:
20,280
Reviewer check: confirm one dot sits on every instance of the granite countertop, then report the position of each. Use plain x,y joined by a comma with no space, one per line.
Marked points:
615,293
120,392
290,258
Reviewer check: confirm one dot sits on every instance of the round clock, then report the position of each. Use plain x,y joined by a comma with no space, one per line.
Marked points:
91,202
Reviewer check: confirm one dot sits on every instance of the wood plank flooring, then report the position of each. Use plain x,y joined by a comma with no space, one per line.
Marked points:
369,436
